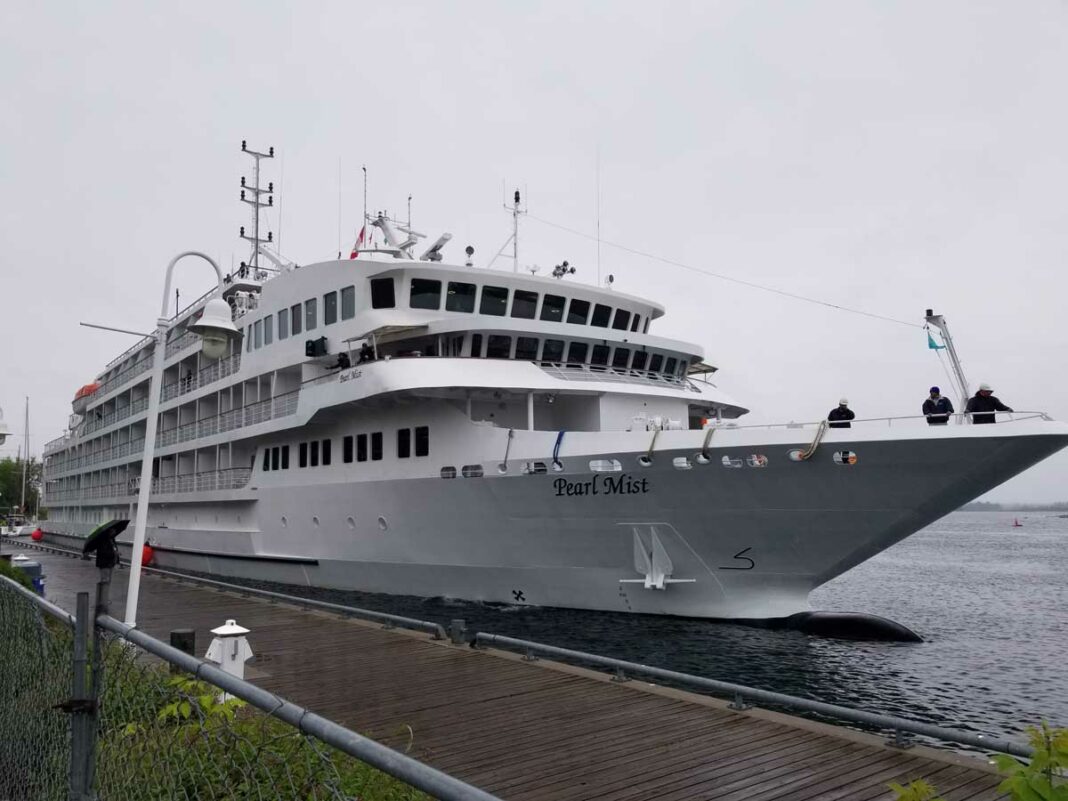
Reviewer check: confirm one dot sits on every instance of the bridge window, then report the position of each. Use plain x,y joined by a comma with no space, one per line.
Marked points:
348,302
295,318
422,440
257,329
425,294
361,448
376,446
552,308
524,304
330,308
326,452
620,358
646,330
476,346
553,350
404,443
640,358
285,457
669,366
275,458
346,449
315,453
655,362
460,297
494,300
382,293
578,312
498,347
636,323
266,459
302,455
283,324
268,329
526,348
576,353
599,356
601,316
310,314
622,320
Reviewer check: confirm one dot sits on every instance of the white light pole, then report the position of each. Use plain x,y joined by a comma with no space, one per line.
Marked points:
216,327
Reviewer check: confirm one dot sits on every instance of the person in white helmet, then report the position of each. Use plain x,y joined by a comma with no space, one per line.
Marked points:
841,415
983,404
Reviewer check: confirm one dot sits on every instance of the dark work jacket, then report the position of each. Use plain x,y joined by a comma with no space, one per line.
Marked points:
841,414
938,411
977,403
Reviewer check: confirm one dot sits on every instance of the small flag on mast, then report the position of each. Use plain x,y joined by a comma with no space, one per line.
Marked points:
932,344
359,242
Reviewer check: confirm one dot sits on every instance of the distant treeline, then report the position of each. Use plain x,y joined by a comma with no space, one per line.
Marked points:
985,506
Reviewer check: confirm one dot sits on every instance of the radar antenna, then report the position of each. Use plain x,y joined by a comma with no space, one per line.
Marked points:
256,202
516,210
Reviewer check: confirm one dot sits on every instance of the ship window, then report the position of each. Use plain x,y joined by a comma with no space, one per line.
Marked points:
283,324
636,323
655,362
425,294
348,302
315,453
601,315
302,458
274,458
382,293
330,308
346,449
326,452
361,448
622,320
268,329
422,440
620,358
578,312
524,304
476,345
498,347
576,353
257,329
553,350
248,340
669,366
460,297
494,300
285,457
526,348
471,471
646,330
266,458
683,364
376,446
309,314
448,472
640,358
552,308
404,443
599,356
295,319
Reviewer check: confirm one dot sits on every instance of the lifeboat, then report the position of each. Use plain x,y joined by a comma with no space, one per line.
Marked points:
82,397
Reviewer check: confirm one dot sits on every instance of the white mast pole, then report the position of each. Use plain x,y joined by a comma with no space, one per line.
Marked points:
26,455
515,234
939,322
364,204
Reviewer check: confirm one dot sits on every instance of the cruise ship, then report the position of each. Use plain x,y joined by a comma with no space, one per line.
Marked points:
395,423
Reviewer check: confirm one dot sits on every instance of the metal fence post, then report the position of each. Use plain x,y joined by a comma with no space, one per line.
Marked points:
82,708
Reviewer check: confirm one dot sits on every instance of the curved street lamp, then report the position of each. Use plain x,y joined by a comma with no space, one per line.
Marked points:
4,430
216,328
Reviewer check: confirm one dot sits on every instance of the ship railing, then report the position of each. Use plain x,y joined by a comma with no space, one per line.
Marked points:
97,423
207,375
573,371
741,694
134,370
957,418
180,343
258,412
204,481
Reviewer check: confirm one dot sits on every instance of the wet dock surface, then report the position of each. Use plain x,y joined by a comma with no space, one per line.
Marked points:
530,730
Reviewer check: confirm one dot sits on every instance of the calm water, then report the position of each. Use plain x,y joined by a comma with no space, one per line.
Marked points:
990,600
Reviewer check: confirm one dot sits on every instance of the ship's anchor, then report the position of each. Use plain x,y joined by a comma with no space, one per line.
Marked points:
655,564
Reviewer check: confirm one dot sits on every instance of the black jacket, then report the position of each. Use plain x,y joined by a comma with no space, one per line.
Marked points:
977,403
841,414
938,411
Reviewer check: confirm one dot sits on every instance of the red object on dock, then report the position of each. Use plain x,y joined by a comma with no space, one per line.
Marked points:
147,554
37,535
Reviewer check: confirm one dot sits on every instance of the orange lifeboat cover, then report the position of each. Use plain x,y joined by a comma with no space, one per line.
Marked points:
86,391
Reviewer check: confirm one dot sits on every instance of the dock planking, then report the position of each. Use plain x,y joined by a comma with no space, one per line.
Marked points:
532,730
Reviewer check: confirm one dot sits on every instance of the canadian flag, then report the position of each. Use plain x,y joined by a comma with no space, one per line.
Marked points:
359,241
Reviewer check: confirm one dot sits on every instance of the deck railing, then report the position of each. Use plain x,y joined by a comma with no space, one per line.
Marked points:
568,371
914,420
205,481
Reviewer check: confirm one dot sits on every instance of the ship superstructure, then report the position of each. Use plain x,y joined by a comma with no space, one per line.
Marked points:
399,424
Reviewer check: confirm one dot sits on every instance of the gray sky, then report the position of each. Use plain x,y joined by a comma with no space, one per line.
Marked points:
886,156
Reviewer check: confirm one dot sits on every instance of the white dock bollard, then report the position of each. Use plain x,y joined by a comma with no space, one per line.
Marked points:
230,650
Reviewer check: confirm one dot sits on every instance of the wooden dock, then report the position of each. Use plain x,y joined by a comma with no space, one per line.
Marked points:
532,730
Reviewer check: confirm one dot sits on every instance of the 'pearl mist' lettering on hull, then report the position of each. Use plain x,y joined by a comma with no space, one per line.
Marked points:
601,485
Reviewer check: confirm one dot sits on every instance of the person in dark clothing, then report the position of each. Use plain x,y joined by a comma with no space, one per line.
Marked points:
841,415
937,408
367,354
984,401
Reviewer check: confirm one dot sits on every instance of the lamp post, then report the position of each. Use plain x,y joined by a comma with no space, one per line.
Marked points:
216,327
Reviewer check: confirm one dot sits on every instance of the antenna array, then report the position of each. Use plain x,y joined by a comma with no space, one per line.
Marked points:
253,196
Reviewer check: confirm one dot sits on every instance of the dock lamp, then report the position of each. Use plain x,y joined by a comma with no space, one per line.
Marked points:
216,328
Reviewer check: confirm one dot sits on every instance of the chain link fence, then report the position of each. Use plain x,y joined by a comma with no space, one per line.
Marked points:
159,732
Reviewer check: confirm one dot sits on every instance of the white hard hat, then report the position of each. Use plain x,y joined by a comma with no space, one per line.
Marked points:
985,387
843,402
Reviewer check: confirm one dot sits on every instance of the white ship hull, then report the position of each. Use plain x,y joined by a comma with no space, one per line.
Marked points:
741,542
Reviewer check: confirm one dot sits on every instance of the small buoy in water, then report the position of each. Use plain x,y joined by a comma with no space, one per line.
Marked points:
1016,523
37,535
147,553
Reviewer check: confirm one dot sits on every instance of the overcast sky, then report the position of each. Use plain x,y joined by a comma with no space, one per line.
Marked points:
884,156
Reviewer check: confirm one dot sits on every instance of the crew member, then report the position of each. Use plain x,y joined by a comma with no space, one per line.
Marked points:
983,404
841,415
937,409
367,353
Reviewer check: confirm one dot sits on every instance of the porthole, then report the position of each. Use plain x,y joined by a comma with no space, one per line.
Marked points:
645,461
605,465
351,521
382,524
471,471
701,459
